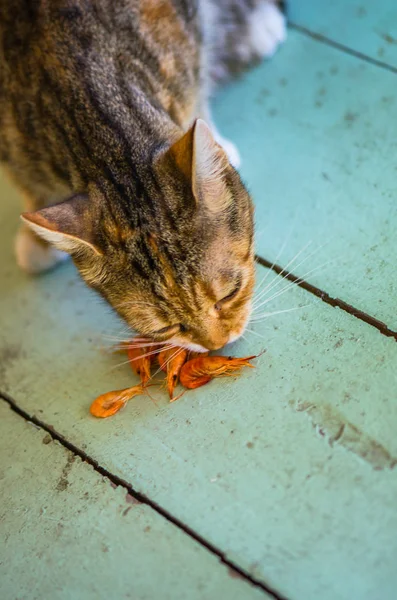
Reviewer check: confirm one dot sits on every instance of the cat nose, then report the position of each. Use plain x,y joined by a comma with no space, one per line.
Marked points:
213,347
216,344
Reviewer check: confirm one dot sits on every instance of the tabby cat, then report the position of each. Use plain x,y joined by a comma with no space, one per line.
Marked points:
105,127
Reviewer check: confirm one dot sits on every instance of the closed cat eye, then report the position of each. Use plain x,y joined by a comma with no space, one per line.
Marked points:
170,330
229,297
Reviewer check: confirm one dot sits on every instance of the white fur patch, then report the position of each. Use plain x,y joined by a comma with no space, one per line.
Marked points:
268,29
230,149
180,342
34,257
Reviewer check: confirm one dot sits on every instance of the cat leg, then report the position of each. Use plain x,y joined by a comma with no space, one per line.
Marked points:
267,28
239,36
33,254
235,43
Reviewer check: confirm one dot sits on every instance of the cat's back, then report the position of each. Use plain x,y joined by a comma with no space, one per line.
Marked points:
89,75
151,40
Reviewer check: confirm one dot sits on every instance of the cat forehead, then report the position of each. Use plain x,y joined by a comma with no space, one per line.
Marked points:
226,258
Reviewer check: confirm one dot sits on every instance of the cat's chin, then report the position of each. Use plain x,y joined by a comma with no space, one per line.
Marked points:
189,345
196,348
235,337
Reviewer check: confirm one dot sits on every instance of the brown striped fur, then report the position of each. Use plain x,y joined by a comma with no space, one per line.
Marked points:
98,108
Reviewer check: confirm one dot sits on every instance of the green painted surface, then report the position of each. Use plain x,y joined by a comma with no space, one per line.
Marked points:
289,470
362,25
68,534
321,168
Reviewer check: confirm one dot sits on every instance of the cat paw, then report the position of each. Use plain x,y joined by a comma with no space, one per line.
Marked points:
35,255
268,29
231,151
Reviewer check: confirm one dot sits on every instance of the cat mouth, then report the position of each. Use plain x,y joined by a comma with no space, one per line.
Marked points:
193,347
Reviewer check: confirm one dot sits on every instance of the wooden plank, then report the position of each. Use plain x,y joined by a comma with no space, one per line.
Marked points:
288,470
317,133
365,26
67,533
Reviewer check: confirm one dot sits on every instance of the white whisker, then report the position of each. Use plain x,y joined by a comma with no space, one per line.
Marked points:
174,355
277,257
255,333
276,281
266,315
125,344
292,284
138,357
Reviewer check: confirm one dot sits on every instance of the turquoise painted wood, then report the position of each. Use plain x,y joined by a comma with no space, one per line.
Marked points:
289,470
364,25
67,534
317,132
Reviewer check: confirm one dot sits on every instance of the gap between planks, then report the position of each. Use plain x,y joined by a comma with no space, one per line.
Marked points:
335,302
341,47
235,570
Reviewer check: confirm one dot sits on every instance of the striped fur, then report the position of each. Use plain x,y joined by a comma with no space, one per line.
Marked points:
95,98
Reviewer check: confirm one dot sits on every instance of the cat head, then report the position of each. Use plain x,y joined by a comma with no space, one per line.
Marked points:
178,264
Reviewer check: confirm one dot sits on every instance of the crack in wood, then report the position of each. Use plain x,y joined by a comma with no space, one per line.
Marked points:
318,37
116,481
334,302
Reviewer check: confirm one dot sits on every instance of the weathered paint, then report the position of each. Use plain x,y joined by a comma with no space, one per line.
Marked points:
68,533
321,168
363,26
290,470
244,462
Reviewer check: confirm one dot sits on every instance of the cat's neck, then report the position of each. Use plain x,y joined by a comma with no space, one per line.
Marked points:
130,130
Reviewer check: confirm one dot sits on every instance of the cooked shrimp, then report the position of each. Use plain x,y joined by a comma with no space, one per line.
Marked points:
108,404
162,358
193,354
171,362
201,370
140,361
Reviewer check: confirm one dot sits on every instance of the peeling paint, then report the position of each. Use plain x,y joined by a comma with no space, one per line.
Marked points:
63,482
332,425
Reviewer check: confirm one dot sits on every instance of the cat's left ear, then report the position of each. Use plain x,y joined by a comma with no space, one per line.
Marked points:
69,225
204,163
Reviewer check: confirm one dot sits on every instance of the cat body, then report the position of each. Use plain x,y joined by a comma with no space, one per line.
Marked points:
101,126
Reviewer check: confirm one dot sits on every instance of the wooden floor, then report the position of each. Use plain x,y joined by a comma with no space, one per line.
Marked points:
282,483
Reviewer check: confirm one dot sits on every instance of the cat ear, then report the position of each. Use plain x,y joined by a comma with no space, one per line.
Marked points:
204,162
69,225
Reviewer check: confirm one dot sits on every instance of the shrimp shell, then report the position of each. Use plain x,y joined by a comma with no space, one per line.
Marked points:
201,370
109,403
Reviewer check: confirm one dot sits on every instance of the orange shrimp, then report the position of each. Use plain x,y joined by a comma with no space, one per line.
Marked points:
171,362
199,371
140,361
108,404
193,354
162,358
140,357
